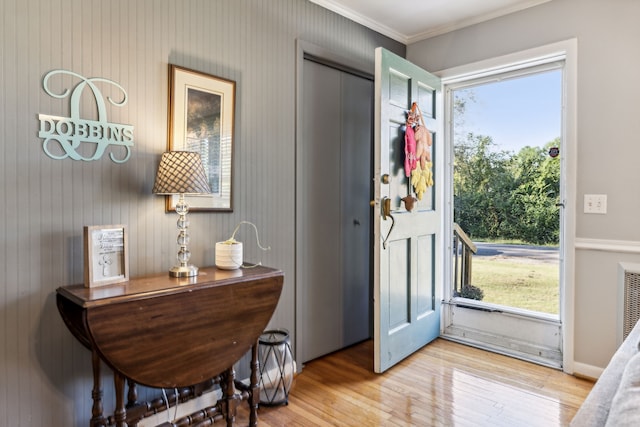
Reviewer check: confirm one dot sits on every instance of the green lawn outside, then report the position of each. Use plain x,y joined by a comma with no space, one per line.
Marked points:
526,285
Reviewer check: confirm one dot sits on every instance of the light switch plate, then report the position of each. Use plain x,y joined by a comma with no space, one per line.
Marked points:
595,203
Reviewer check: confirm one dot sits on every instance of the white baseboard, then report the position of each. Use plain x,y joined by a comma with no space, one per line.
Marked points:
187,408
588,371
207,399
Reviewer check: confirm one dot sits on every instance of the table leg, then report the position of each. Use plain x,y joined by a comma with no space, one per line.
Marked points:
120,414
254,387
230,396
97,418
132,395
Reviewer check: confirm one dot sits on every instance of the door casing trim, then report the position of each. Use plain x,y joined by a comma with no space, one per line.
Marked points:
567,51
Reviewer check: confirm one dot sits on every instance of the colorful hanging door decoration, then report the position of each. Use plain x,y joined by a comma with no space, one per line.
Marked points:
417,150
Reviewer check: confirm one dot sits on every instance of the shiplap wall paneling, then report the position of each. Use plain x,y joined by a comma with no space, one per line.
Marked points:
45,373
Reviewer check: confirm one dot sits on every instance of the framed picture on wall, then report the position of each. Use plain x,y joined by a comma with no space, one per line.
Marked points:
201,119
106,258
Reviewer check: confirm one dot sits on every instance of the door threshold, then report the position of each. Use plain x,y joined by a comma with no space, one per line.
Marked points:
523,351
498,308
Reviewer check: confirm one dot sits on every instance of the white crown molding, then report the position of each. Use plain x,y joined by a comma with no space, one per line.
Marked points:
337,7
361,19
443,29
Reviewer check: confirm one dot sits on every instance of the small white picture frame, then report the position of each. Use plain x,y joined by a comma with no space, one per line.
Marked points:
106,257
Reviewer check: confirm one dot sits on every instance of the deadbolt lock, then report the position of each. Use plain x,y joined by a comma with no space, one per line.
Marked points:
385,206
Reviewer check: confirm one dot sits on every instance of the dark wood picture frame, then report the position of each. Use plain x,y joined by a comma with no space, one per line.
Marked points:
201,119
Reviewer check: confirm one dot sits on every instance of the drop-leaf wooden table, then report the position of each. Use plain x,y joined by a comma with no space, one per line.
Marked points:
167,332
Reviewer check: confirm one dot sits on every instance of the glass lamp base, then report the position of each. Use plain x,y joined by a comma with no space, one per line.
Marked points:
183,271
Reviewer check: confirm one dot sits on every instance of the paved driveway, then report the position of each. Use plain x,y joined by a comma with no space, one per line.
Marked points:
534,254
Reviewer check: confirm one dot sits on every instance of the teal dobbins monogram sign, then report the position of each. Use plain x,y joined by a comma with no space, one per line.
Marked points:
69,132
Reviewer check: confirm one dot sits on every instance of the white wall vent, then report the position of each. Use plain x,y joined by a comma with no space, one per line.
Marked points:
628,298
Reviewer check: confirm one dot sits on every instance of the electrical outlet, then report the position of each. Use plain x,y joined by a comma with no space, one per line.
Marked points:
595,203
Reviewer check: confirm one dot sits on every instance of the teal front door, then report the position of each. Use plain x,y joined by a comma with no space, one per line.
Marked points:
408,246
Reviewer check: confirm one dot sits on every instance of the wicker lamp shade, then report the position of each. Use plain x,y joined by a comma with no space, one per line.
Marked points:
181,172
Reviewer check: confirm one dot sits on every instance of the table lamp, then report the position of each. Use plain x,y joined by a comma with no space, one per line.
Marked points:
181,172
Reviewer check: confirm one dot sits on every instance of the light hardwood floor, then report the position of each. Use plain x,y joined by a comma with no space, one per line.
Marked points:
444,384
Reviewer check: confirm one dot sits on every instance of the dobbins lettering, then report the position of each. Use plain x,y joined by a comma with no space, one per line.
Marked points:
69,133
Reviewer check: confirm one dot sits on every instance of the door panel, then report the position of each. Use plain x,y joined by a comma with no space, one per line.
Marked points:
400,293
407,245
333,189
320,213
426,268
355,216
